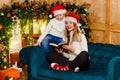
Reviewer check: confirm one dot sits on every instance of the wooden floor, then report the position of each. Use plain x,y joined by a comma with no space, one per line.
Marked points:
24,73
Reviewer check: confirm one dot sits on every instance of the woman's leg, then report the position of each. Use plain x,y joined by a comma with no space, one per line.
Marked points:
81,61
55,57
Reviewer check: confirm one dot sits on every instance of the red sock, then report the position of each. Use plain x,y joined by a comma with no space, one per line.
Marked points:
56,66
66,68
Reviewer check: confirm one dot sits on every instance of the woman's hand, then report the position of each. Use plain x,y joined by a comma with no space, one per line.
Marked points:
68,47
59,50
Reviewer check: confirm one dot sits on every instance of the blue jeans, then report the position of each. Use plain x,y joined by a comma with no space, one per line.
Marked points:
45,44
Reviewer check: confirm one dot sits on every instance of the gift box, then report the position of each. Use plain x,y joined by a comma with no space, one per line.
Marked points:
11,73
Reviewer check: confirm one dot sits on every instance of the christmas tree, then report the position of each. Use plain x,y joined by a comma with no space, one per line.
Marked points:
4,60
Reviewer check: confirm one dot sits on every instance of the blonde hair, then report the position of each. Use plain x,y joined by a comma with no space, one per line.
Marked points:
76,33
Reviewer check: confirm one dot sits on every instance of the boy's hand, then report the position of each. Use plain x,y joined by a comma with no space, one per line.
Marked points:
36,44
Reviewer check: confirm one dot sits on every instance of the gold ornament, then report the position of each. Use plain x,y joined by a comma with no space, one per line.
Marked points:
5,60
5,67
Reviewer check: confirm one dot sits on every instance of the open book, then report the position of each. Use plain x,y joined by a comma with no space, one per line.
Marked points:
58,45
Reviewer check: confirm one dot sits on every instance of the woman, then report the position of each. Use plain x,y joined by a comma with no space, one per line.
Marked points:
73,56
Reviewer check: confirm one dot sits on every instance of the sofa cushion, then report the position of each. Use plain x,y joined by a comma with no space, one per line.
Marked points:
101,54
54,74
68,75
89,75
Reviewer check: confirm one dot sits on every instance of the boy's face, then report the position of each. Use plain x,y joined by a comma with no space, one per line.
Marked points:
60,16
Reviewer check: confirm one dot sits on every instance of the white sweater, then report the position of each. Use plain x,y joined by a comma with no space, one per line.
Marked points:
55,28
78,46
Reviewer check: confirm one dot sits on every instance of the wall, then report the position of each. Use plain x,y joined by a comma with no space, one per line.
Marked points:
2,2
105,20
9,2
115,22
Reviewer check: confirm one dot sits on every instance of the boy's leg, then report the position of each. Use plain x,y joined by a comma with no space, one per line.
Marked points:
56,40
45,44
49,39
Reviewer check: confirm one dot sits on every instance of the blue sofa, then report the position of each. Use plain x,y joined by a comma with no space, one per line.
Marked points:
104,64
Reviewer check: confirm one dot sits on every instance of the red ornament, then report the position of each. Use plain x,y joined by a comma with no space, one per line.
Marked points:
0,26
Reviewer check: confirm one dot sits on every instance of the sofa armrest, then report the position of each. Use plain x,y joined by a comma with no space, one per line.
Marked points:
35,58
111,68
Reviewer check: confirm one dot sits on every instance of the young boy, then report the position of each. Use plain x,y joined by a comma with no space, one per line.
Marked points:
55,29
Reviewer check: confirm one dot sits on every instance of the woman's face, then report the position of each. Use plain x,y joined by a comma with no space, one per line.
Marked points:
69,25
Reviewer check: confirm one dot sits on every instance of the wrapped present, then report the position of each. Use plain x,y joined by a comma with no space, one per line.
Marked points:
11,73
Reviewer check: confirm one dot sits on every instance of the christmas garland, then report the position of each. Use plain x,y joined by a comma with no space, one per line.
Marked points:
36,10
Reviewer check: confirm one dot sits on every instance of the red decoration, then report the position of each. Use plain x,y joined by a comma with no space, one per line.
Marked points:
10,72
0,26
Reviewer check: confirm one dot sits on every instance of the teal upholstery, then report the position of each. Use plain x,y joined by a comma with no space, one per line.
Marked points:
104,64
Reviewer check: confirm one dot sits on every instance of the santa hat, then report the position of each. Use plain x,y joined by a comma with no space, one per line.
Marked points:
58,9
73,18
